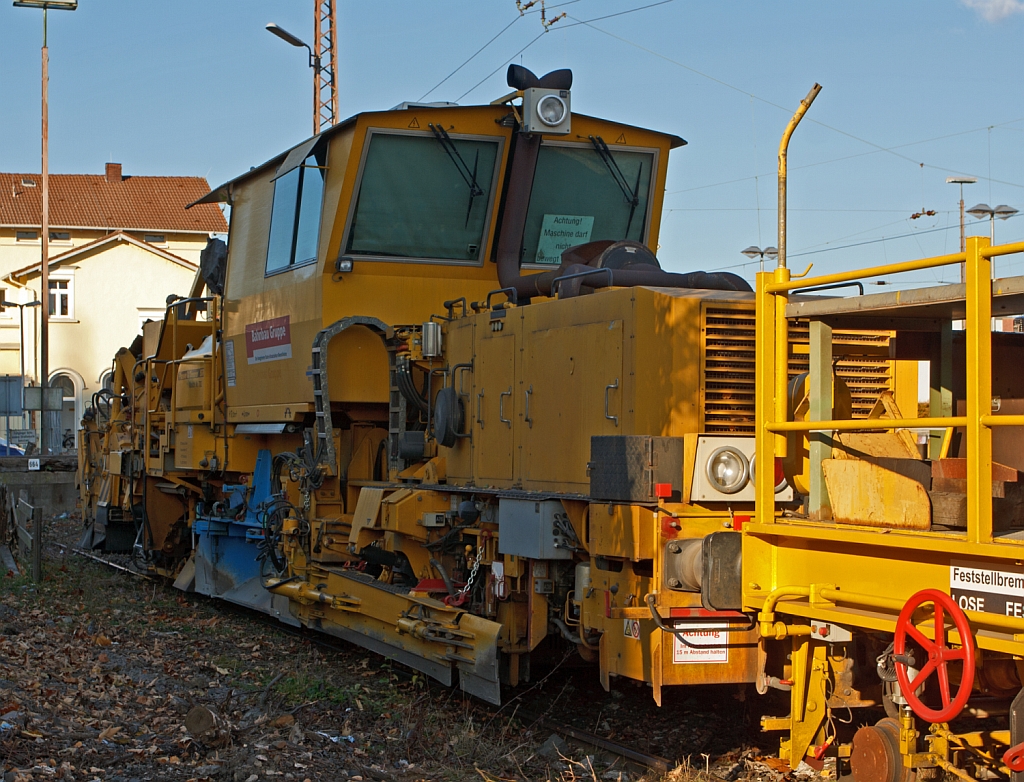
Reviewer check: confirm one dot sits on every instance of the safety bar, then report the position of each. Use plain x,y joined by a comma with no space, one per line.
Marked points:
510,294
587,273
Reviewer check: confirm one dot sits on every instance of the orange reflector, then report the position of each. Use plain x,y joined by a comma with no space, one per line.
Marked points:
739,521
663,490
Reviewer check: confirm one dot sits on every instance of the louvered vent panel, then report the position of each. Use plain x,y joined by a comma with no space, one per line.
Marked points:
729,368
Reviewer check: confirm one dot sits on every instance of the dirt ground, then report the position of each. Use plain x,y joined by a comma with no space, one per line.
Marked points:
100,669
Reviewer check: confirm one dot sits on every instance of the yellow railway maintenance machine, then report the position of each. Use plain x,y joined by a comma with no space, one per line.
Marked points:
902,578
442,401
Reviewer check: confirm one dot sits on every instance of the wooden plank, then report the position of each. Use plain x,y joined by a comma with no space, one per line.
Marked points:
7,560
864,493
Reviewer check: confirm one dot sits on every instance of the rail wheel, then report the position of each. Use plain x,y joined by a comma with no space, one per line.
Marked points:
939,655
876,754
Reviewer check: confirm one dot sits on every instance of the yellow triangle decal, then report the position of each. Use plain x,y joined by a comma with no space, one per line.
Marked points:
415,123
621,139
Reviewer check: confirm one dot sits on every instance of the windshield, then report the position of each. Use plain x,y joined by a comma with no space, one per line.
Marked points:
584,194
424,196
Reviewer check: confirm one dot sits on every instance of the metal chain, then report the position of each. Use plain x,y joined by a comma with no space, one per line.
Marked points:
473,572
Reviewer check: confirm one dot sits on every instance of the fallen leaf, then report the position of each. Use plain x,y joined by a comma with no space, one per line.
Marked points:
102,640
110,732
283,721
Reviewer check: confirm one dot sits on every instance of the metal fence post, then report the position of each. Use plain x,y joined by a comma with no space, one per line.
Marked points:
37,544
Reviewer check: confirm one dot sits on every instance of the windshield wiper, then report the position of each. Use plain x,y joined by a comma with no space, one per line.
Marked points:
631,194
469,177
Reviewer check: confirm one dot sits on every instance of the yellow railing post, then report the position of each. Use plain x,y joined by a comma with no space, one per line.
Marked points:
979,391
765,410
781,380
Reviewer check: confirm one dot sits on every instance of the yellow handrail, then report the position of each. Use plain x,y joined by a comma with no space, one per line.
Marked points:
874,271
873,424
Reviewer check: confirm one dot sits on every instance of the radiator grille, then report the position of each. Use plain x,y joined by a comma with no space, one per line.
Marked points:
729,368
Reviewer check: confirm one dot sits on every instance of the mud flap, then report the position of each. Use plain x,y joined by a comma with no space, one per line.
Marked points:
86,542
480,678
186,580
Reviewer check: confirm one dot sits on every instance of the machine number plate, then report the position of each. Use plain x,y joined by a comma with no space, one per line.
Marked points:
979,586
710,644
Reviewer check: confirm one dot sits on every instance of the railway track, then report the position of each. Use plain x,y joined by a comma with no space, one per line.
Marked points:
530,720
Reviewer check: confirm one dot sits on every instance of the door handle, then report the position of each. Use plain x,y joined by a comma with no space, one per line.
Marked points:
607,389
501,407
526,413
479,399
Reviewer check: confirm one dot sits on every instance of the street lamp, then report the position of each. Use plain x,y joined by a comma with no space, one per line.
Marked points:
1003,212
314,63
44,327
962,180
753,252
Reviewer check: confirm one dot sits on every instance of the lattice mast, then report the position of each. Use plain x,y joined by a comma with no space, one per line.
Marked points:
325,55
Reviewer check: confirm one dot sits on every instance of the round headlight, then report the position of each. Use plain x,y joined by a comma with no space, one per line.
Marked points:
780,480
727,470
551,110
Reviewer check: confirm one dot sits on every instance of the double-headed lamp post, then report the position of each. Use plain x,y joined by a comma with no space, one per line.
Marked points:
756,252
1003,212
44,326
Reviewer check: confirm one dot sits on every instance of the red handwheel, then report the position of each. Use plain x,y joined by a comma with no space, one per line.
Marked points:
939,655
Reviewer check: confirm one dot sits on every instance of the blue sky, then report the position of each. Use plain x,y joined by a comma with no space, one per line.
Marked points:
198,87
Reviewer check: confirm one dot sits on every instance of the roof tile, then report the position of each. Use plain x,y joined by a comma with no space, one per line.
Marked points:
135,203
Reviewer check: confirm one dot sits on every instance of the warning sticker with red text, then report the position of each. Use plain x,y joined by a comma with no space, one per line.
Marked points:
268,340
705,643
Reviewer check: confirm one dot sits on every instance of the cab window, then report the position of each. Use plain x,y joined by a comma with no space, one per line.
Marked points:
585,193
295,219
424,196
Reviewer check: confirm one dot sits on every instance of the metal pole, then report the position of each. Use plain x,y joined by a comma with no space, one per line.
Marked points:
44,296
783,152
21,354
963,237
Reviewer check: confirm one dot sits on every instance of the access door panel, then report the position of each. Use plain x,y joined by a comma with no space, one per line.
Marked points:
571,389
494,406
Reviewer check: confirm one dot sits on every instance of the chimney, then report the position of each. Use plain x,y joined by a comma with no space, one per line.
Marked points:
113,172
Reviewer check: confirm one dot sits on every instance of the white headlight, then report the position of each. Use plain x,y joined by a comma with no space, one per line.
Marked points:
551,110
727,470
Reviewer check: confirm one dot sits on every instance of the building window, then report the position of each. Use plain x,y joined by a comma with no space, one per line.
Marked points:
149,313
295,219
62,299
60,236
26,236
154,238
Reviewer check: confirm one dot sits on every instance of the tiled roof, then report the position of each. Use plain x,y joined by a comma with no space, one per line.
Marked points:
135,203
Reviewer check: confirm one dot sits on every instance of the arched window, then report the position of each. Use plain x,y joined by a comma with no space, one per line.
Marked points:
64,435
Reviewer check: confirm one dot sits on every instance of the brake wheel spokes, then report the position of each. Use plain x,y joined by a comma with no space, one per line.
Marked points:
939,655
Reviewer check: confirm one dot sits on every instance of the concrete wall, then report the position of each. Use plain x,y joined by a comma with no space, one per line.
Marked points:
53,487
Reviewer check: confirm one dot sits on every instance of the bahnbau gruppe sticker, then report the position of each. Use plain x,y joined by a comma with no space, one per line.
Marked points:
268,340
